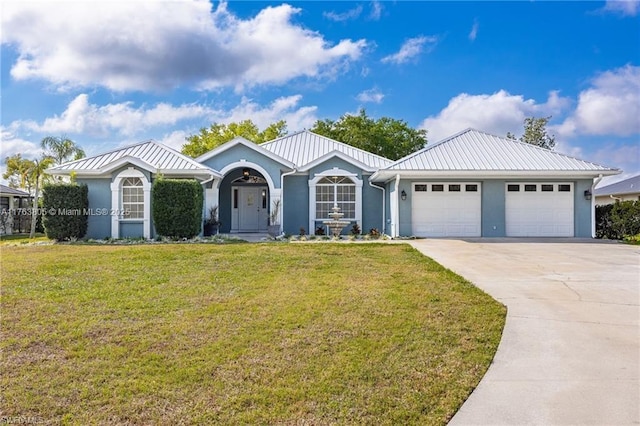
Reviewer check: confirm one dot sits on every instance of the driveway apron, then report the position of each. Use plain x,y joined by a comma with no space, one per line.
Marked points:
570,351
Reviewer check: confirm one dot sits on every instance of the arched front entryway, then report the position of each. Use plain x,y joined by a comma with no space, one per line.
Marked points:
245,195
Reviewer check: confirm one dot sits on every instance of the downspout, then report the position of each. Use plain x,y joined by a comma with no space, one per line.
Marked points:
381,188
282,195
596,181
396,230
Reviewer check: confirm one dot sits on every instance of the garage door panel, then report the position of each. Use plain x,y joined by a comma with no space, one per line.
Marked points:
539,213
446,213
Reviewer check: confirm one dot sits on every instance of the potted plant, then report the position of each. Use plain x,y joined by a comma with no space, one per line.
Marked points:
274,225
211,223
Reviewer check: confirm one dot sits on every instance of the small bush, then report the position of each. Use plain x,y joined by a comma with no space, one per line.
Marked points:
319,230
355,229
177,207
619,220
66,211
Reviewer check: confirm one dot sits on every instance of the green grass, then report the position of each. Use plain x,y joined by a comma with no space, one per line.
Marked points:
16,239
239,334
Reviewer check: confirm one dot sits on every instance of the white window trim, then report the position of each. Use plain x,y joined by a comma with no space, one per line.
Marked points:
116,202
312,195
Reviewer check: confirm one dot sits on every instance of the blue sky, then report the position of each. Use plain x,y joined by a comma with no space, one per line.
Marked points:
117,72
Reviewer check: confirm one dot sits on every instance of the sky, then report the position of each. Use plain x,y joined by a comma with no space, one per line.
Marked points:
112,73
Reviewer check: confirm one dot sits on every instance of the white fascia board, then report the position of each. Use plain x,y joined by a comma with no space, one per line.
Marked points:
342,156
384,175
247,143
106,169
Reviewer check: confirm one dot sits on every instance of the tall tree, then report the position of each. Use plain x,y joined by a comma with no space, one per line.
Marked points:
61,149
18,172
38,174
218,134
535,133
387,137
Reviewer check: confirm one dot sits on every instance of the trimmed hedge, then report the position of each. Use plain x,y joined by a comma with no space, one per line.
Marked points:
177,207
619,220
66,211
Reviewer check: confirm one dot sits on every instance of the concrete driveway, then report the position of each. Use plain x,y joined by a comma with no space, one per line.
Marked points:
570,351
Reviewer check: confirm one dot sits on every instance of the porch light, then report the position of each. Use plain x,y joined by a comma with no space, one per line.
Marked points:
403,195
587,194
245,174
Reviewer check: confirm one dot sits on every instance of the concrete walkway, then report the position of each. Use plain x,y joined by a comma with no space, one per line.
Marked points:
570,352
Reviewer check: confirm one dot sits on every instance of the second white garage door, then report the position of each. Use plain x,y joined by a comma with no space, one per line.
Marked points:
539,209
446,209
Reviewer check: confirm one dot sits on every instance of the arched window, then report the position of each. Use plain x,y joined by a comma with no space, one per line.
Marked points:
132,198
338,190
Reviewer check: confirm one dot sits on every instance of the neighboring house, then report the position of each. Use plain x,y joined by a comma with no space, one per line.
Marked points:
11,199
625,190
470,185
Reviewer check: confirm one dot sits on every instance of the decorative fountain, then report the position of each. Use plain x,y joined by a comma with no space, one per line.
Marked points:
335,224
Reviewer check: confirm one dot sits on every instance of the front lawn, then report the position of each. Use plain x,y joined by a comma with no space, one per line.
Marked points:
238,334
16,239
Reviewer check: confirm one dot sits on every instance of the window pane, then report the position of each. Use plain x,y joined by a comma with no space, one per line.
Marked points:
471,188
564,188
421,188
546,188
437,188
454,188
530,188
513,188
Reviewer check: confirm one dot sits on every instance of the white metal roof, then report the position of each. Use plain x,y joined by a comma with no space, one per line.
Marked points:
159,157
473,150
305,147
627,186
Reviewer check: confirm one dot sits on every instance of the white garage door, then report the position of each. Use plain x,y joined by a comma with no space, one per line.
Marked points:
539,209
446,209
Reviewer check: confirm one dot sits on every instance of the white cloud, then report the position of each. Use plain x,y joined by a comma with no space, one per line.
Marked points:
623,7
124,120
370,95
611,106
284,108
410,49
497,113
344,16
121,118
376,10
12,145
174,139
474,30
158,45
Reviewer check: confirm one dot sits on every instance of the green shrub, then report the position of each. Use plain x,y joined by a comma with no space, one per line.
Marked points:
619,220
65,207
177,207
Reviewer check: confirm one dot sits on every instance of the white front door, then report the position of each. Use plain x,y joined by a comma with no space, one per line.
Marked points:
446,209
251,209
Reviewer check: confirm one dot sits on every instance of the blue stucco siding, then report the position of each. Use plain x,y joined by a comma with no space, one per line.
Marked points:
295,213
99,224
241,152
493,208
372,207
116,172
582,209
131,229
335,162
404,207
